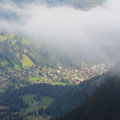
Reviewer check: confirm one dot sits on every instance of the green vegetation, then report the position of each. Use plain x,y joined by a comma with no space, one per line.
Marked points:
33,78
14,42
2,38
30,101
21,52
4,63
17,67
44,102
10,36
42,99
104,104
45,99
2,107
75,96
25,41
76,76
27,62
28,98
59,83
21,64
35,118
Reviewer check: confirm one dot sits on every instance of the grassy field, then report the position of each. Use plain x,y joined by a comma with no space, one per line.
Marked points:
4,63
2,107
33,78
44,102
76,76
59,83
35,118
10,36
25,41
27,62
17,67
2,38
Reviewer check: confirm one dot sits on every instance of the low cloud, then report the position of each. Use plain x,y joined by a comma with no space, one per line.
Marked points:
89,33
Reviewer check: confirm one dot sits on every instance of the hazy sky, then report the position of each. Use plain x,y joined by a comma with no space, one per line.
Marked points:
95,31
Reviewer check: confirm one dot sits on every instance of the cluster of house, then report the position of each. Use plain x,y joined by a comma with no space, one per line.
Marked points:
66,75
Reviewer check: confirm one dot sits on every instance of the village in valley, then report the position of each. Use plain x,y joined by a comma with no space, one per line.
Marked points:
58,75
22,67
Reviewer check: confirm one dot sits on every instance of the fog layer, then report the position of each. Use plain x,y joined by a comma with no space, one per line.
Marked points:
88,34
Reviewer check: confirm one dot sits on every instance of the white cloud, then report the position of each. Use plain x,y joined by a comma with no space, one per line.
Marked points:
96,30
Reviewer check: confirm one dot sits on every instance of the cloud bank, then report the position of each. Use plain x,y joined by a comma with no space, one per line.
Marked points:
91,33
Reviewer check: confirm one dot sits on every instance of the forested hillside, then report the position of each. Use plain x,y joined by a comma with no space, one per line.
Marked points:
19,52
104,104
29,101
44,100
41,100
75,96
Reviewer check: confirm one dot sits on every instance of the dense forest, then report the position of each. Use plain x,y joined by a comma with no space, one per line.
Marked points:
75,96
18,102
103,104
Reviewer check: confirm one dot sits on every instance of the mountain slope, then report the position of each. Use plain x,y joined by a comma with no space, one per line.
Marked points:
18,50
22,62
104,104
28,101
73,97
33,99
